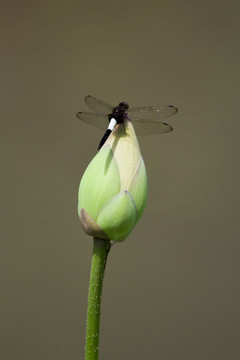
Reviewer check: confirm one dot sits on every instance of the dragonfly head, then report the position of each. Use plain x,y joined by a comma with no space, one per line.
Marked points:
124,106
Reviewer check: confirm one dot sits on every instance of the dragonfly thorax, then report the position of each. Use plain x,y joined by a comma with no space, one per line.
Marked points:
119,112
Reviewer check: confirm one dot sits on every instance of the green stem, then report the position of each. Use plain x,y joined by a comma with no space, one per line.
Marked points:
99,257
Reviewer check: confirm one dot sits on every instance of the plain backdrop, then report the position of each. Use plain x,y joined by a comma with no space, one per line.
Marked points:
171,290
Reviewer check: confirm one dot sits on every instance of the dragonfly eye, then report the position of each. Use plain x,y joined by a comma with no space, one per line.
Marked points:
124,105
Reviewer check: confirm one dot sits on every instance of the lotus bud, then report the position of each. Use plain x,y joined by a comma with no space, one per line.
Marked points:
113,190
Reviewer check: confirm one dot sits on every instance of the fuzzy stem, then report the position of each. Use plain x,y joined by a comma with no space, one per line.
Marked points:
99,257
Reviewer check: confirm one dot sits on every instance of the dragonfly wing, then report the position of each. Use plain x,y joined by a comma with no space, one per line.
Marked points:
151,127
98,106
151,112
100,122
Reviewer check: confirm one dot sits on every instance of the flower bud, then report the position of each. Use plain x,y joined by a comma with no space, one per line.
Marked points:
113,190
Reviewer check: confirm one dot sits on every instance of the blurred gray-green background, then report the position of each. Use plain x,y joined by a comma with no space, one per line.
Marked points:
171,290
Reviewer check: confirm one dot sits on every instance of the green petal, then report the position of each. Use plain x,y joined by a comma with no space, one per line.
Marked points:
118,217
139,189
100,182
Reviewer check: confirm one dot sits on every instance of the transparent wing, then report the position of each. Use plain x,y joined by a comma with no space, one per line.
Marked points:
150,127
151,112
98,106
100,122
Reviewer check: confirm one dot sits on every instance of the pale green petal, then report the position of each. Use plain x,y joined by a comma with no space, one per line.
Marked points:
124,144
118,217
100,182
139,189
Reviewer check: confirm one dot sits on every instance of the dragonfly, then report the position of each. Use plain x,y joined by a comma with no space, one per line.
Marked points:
147,120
